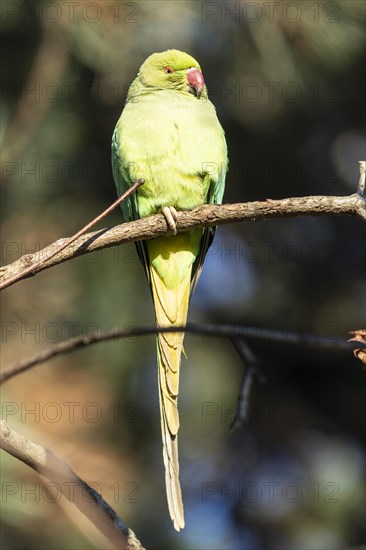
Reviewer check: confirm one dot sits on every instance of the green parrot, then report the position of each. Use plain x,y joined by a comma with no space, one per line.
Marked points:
168,134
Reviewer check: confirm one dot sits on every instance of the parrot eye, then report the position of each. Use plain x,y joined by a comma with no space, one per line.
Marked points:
168,70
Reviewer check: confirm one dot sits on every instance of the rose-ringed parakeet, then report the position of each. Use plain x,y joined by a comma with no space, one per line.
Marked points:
169,135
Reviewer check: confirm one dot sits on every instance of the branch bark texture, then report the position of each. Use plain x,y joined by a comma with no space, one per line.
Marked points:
85,498
155,226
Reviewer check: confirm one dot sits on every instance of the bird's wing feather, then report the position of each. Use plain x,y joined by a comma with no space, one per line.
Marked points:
215,193
123,181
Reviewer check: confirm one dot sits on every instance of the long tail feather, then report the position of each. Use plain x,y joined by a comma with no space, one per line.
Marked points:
171,309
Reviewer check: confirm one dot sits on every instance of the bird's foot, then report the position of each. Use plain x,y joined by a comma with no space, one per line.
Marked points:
171,217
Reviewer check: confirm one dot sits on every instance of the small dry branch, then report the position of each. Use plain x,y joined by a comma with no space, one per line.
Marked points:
233,333
85,498
155,226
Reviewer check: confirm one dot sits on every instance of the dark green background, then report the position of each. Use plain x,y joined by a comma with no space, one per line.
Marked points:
288,84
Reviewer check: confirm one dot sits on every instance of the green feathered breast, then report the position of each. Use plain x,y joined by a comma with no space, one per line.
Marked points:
175,142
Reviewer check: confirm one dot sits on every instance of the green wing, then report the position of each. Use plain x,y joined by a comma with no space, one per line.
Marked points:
122,180
215,195
129,206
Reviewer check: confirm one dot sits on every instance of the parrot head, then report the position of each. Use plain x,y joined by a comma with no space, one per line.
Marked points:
174,70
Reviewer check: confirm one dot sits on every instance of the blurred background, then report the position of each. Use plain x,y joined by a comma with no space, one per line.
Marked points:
287,79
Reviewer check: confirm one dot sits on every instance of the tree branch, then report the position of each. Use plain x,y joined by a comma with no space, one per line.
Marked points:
85,498
67,242
155,226
250,372
230,332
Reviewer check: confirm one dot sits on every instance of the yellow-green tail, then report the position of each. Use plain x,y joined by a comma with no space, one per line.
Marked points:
170,277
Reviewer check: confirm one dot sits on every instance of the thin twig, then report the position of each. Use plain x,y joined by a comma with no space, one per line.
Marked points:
73,488
250,372
361,183
230,332
155,226
67,242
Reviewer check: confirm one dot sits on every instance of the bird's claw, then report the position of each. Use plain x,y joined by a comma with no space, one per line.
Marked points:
171,217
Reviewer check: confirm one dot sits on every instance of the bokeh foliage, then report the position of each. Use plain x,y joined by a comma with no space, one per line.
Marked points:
288,82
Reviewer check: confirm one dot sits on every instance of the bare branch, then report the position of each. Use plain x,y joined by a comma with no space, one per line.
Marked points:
361,183
359,336
67,242
230,332
155,226
250,372
85,498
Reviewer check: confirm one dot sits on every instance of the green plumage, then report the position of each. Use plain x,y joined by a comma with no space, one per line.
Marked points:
169,135
171,139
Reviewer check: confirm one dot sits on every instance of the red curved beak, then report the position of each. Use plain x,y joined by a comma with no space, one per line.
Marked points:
195,81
